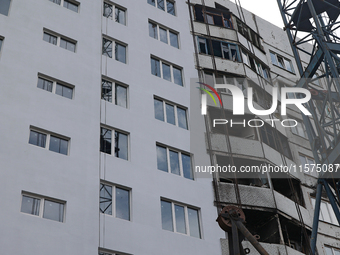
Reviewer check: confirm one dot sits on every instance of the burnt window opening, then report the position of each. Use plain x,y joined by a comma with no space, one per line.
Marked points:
257,179
237,130
263,224
293,235
249,34
275,140
220,49
280,183
218,17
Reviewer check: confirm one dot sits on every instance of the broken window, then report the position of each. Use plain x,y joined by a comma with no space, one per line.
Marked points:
282,62
249,34
275,139
281,184
212,16
221,49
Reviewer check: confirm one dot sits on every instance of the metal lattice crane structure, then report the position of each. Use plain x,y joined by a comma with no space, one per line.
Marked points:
316,22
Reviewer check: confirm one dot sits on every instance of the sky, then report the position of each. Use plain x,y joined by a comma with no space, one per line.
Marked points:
266,9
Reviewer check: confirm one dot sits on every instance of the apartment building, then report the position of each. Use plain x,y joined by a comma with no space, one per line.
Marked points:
101,132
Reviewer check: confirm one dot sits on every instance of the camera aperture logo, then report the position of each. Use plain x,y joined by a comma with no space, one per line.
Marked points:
239,102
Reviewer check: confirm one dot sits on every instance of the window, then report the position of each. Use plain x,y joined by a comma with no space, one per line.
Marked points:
110,253
115,201
326,212
120,149
163,34
249,34
166,71
174,161
180,218
119,17
71,5
63,42
120,50
45,139
170,113
221,18
255,65
42,207
308,164
119,92
4,7
275,139
211,78
1,40
164,5
282,62
56,87
299,129
332,251
220,49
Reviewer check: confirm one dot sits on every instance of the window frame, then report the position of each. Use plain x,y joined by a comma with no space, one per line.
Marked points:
168,31
186,217
2,39
54,85
165,6
113,141
42,205
278,63
333,249
113,199
259,67
114,43
68,1
115,6
242,86
329,210
114,85
59,38
307,159
230,44
172,67
213,12
48,139
249,34
180,161
176,106
295,129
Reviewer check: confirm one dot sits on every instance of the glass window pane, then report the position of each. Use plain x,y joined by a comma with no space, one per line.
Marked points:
159,110
177,76
336,252
155,67
186,163
30,205
4,6
56,1
67,45
50,38
107,11
174,162
328,251
120,52
120,15
152,2
170,6
105,140
45,84
121,145
219,79
273,58
37,139
209,78
162,159
153,30
64,91
182,118
166,216
105,203
210,19
63,147
173,39
58,145
180,219
122,204
107,90
160,5
71,6
202,45
166,72
121,96
163,35
107,48
194,226
53,210
325,213
170,114
289,65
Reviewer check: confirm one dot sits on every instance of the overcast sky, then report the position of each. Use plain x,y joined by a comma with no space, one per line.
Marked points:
266,9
